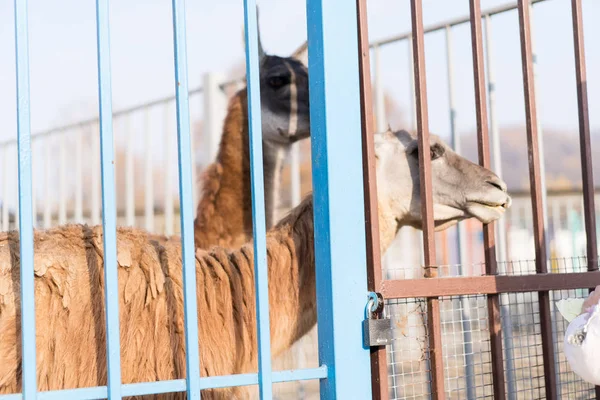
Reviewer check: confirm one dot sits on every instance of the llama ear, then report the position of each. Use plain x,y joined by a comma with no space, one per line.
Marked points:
261,51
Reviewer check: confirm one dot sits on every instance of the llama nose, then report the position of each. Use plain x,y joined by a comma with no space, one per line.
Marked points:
497,183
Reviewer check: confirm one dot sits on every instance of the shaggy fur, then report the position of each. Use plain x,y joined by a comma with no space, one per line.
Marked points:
69,300
224,215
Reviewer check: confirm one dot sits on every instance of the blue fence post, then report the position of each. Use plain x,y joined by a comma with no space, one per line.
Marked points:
109,208
29,382
265,383
186,187
338,197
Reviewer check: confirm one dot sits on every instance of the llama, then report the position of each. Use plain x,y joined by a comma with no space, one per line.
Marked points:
224,213
69,294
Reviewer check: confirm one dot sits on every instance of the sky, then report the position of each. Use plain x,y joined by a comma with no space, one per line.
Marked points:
63,55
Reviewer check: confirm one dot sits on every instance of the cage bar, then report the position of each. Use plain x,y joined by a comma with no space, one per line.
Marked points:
537,196
28,353
109,214
265,380
433,307
489,238
192,358
500,225
460,227
379,381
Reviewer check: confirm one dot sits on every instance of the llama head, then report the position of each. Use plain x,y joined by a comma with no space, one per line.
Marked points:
460,188
284,98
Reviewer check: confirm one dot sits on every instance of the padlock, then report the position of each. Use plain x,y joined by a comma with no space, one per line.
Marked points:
377,332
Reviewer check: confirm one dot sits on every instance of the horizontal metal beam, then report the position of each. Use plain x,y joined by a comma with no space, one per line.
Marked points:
177,385
477,285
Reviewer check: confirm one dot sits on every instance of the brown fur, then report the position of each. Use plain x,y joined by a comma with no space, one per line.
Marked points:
224,215
69,301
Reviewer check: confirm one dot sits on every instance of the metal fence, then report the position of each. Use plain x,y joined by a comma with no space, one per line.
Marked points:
491,331
476,359
337,177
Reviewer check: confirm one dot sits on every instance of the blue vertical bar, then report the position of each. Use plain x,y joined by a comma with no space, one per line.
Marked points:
25,202
192,357
335,118
265,382
109,217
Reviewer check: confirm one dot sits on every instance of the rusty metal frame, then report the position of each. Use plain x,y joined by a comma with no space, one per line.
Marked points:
491,284
434,329
379,381
539,230
489,239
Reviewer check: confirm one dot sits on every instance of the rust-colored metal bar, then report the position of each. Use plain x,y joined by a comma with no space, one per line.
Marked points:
584,137
433,307
489,240
374,275
478,285
379,381
585,145
536,197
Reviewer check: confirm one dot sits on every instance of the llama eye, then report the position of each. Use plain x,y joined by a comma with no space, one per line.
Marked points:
436,151
278,81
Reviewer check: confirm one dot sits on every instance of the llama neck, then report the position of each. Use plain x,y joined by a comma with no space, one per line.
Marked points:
224,215
272,167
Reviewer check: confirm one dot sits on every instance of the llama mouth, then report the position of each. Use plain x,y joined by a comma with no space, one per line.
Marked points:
486,212
495,206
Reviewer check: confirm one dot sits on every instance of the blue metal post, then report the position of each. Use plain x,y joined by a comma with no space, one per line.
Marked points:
338,197
25,202
265,383
109,214
186,187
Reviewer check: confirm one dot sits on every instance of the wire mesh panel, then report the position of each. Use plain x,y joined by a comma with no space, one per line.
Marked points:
466,337
526,344
408,356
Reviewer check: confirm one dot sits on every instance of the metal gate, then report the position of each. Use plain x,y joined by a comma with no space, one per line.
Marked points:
485,290
338,212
